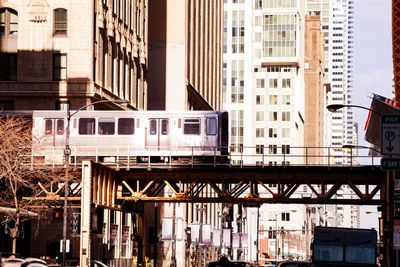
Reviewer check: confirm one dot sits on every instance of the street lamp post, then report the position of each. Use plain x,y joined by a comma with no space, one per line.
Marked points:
67,153
335,107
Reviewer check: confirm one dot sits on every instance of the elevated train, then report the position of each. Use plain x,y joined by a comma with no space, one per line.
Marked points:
133,136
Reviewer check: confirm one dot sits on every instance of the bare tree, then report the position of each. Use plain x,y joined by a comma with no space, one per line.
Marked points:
21,183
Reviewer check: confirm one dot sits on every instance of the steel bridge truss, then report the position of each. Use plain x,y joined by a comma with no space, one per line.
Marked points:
251,185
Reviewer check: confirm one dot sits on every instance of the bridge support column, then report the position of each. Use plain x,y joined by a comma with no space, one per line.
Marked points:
86,201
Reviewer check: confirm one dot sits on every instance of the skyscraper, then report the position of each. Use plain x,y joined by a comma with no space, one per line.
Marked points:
263,81
337,18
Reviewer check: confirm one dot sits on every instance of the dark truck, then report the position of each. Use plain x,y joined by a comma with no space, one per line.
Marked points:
346,247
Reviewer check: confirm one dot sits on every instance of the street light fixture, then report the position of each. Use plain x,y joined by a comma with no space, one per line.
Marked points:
335,107
67,153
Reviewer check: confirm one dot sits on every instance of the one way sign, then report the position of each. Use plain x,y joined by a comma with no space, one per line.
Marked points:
390,134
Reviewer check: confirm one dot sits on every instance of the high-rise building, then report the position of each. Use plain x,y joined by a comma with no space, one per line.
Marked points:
264,91
263,80
185,73
337,18
337,25
62,53
185,55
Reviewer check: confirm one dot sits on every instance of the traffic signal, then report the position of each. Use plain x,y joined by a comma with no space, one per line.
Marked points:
133,236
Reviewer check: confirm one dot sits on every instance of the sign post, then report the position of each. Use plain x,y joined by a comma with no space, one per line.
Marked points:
390,134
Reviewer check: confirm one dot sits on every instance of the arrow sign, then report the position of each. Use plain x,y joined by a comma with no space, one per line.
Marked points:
390,134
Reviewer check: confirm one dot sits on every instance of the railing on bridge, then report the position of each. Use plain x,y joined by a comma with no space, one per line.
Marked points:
258,156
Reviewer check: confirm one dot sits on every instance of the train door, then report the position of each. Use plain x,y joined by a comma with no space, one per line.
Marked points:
158,134
54,131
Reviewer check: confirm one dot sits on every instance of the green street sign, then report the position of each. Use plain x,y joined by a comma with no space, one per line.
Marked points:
390,164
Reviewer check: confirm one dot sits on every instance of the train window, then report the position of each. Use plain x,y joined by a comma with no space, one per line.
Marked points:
191,126
164,127
87,126
211,125
126,126
106,126
48,127
153,127
60,127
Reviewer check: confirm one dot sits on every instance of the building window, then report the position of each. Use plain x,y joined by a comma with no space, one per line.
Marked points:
273,99
259,100
273,83
8,66
260,83
285,83
273,132
8,22
285,216
286,100
59,67
273,149
273,116
260,116
285,116
285,149
259,132
286,132
259,149
60,21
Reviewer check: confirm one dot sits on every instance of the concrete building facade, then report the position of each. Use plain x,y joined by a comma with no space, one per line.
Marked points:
185,55
59,53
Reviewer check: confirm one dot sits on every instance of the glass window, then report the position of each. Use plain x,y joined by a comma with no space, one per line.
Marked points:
153,127
106,126
2,22
273,149
285,83
273,83
59,67
164,127
273,99
60,127
286,132
285,116
259,100
48,127
259,149
286,100
13,22
191,126
60,21
8,22
211,126
260,116
126,126
273,132
259,132
87,126
273,115
285,149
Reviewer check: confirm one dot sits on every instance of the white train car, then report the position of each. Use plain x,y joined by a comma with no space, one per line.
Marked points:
134,136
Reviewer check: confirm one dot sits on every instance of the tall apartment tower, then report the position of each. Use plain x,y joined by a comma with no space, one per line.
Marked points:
185,55
263,80
58,53
337,18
